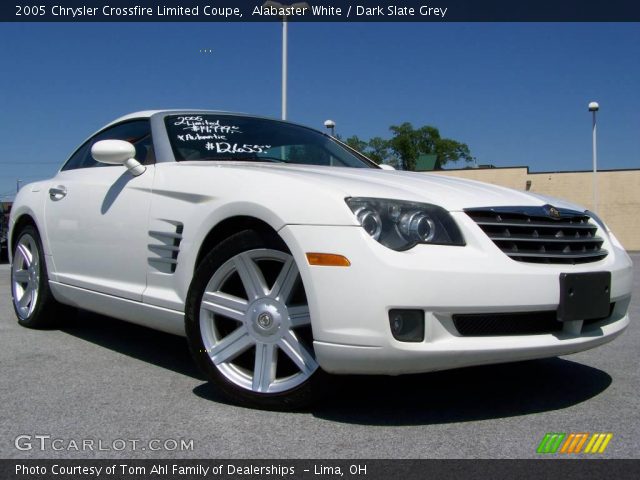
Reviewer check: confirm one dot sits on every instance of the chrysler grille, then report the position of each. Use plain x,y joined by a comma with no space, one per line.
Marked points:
541,234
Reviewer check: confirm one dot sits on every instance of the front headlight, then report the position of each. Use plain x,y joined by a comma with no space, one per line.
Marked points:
401,225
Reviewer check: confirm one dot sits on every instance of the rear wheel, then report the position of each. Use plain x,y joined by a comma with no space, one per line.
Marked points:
248,323
33,301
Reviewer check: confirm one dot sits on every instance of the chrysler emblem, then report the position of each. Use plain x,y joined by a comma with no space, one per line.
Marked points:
553,211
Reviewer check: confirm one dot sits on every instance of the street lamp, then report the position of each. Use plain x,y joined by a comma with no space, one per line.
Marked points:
331,125
282,8
594,107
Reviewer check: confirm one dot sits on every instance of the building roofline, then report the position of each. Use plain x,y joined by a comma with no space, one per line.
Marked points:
540,172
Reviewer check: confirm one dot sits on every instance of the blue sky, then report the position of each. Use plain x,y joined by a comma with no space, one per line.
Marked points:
517,94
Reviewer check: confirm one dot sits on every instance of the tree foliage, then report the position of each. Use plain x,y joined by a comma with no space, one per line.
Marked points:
379,150
356,143
408,143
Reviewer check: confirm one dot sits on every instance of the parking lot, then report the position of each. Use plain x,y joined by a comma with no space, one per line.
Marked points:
103,380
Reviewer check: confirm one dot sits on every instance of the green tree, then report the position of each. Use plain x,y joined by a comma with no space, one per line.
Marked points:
408,143
356,143
378,150
451,151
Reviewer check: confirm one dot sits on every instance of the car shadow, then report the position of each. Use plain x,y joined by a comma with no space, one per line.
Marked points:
114,191
151,346
461,395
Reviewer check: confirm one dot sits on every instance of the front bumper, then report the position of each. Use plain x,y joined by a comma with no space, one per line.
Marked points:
349,305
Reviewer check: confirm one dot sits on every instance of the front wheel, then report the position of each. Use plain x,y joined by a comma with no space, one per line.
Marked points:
248,323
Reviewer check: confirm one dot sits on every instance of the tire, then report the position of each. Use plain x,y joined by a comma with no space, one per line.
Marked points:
33,301
248,323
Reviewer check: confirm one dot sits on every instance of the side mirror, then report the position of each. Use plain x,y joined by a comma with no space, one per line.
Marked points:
117,152
384,166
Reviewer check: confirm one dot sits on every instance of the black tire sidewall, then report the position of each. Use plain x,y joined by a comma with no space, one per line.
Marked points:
296,398
44,314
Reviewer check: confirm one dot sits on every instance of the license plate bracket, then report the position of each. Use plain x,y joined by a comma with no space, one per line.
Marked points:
584,296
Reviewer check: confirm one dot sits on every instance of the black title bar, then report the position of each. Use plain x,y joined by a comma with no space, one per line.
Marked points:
320,11
123,469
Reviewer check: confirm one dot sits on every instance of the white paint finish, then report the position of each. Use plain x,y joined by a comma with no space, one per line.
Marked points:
349,305
97,232
163,319
394,359
96,242
113,152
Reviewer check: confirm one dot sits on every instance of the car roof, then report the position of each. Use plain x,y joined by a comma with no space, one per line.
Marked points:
150,113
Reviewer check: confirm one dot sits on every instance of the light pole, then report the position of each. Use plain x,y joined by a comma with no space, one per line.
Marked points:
18,182
331,126
593,108
282,8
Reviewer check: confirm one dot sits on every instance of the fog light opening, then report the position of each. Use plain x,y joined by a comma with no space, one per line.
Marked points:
407,325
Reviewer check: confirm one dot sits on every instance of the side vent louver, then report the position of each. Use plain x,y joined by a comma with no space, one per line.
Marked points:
165,246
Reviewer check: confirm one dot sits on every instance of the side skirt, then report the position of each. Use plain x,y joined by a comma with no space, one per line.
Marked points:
158,318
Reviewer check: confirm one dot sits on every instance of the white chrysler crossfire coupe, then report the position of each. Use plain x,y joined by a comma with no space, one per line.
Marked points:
279,252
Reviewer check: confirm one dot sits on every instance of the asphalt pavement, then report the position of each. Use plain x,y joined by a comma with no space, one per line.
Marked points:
105,384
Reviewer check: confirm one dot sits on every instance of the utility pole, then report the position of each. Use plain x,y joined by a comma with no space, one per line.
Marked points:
593,108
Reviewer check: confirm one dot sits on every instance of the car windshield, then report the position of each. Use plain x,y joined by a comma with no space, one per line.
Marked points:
220,137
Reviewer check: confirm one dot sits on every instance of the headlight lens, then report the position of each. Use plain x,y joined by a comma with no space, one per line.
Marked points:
370,220
402,225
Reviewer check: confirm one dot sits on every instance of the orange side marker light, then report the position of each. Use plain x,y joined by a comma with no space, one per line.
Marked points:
327,260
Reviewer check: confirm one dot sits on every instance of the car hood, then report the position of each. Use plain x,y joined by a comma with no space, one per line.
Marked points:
451,193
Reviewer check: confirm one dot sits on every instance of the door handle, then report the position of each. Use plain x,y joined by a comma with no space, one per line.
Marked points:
57,193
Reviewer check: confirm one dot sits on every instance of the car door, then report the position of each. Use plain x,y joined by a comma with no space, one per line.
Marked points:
96,217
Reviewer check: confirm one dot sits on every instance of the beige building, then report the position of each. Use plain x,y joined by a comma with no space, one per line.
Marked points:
618,193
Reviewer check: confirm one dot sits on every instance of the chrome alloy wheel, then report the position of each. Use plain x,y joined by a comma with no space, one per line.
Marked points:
255,323
25,276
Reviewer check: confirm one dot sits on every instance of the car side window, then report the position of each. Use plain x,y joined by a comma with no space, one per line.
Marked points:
137,132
